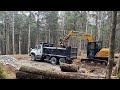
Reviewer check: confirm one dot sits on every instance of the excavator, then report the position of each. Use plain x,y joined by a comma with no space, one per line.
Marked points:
95,52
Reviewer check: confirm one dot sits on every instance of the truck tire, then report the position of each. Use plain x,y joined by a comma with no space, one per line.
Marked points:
33,57
62,61
53,60
47,58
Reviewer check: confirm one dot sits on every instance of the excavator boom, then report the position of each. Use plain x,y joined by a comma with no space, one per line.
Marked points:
75,33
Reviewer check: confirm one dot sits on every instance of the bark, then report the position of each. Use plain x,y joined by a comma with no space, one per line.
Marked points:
7,35
7,42
20,40
13,36
33,73
96,28
87,22
99,25
112,45
29,28
38,27
69,68
49,35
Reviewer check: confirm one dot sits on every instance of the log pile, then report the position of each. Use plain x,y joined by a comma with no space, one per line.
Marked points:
33,73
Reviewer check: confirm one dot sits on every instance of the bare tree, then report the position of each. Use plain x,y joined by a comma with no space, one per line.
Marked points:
13,33
29,32
20,42
112,44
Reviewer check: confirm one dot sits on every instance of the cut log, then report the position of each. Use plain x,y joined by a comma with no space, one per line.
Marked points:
69,68
33,73
26,75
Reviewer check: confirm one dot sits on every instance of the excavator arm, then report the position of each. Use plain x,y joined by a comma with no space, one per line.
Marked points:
75,33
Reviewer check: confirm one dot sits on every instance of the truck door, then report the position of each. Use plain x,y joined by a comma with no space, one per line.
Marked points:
39,50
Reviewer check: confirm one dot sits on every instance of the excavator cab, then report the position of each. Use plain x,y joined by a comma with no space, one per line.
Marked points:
93,48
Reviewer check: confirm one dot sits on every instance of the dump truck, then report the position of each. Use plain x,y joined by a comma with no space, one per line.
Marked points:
55,55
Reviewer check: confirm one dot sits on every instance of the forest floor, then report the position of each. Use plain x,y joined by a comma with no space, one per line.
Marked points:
85,68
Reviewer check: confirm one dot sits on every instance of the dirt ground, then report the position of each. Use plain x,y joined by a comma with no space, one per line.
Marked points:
91,68
85,68
21,57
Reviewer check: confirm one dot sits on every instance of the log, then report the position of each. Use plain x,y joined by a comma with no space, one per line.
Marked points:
26,75
33,73
69,68
117,55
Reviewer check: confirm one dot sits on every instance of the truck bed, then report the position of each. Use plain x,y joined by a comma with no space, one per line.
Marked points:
70,52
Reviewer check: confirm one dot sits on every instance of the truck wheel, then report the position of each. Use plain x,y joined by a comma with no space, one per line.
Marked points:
47,58
62,61
33,57
53,60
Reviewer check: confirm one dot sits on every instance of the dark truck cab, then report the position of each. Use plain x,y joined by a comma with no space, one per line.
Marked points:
55,55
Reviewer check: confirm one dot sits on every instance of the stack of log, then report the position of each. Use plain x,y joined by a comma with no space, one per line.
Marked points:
33,73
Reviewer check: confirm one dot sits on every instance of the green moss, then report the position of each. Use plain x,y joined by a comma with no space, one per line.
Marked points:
4,74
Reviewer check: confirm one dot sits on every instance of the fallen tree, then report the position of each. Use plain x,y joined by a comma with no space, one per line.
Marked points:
69,68
33,73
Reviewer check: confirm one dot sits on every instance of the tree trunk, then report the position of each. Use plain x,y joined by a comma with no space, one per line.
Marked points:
13,36
20,42
112,44
7,35
87,22
49,35
29,32
38,27
96,28
7,40
33,73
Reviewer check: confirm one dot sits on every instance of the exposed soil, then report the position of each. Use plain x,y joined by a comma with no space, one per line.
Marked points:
18,60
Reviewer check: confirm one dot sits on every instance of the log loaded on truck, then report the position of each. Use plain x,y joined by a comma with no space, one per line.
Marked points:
55,55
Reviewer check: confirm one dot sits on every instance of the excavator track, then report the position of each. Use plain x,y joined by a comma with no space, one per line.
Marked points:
87,60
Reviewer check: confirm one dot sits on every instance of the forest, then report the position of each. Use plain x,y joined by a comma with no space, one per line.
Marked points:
22,30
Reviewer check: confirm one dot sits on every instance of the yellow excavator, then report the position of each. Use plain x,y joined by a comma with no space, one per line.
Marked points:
95,52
